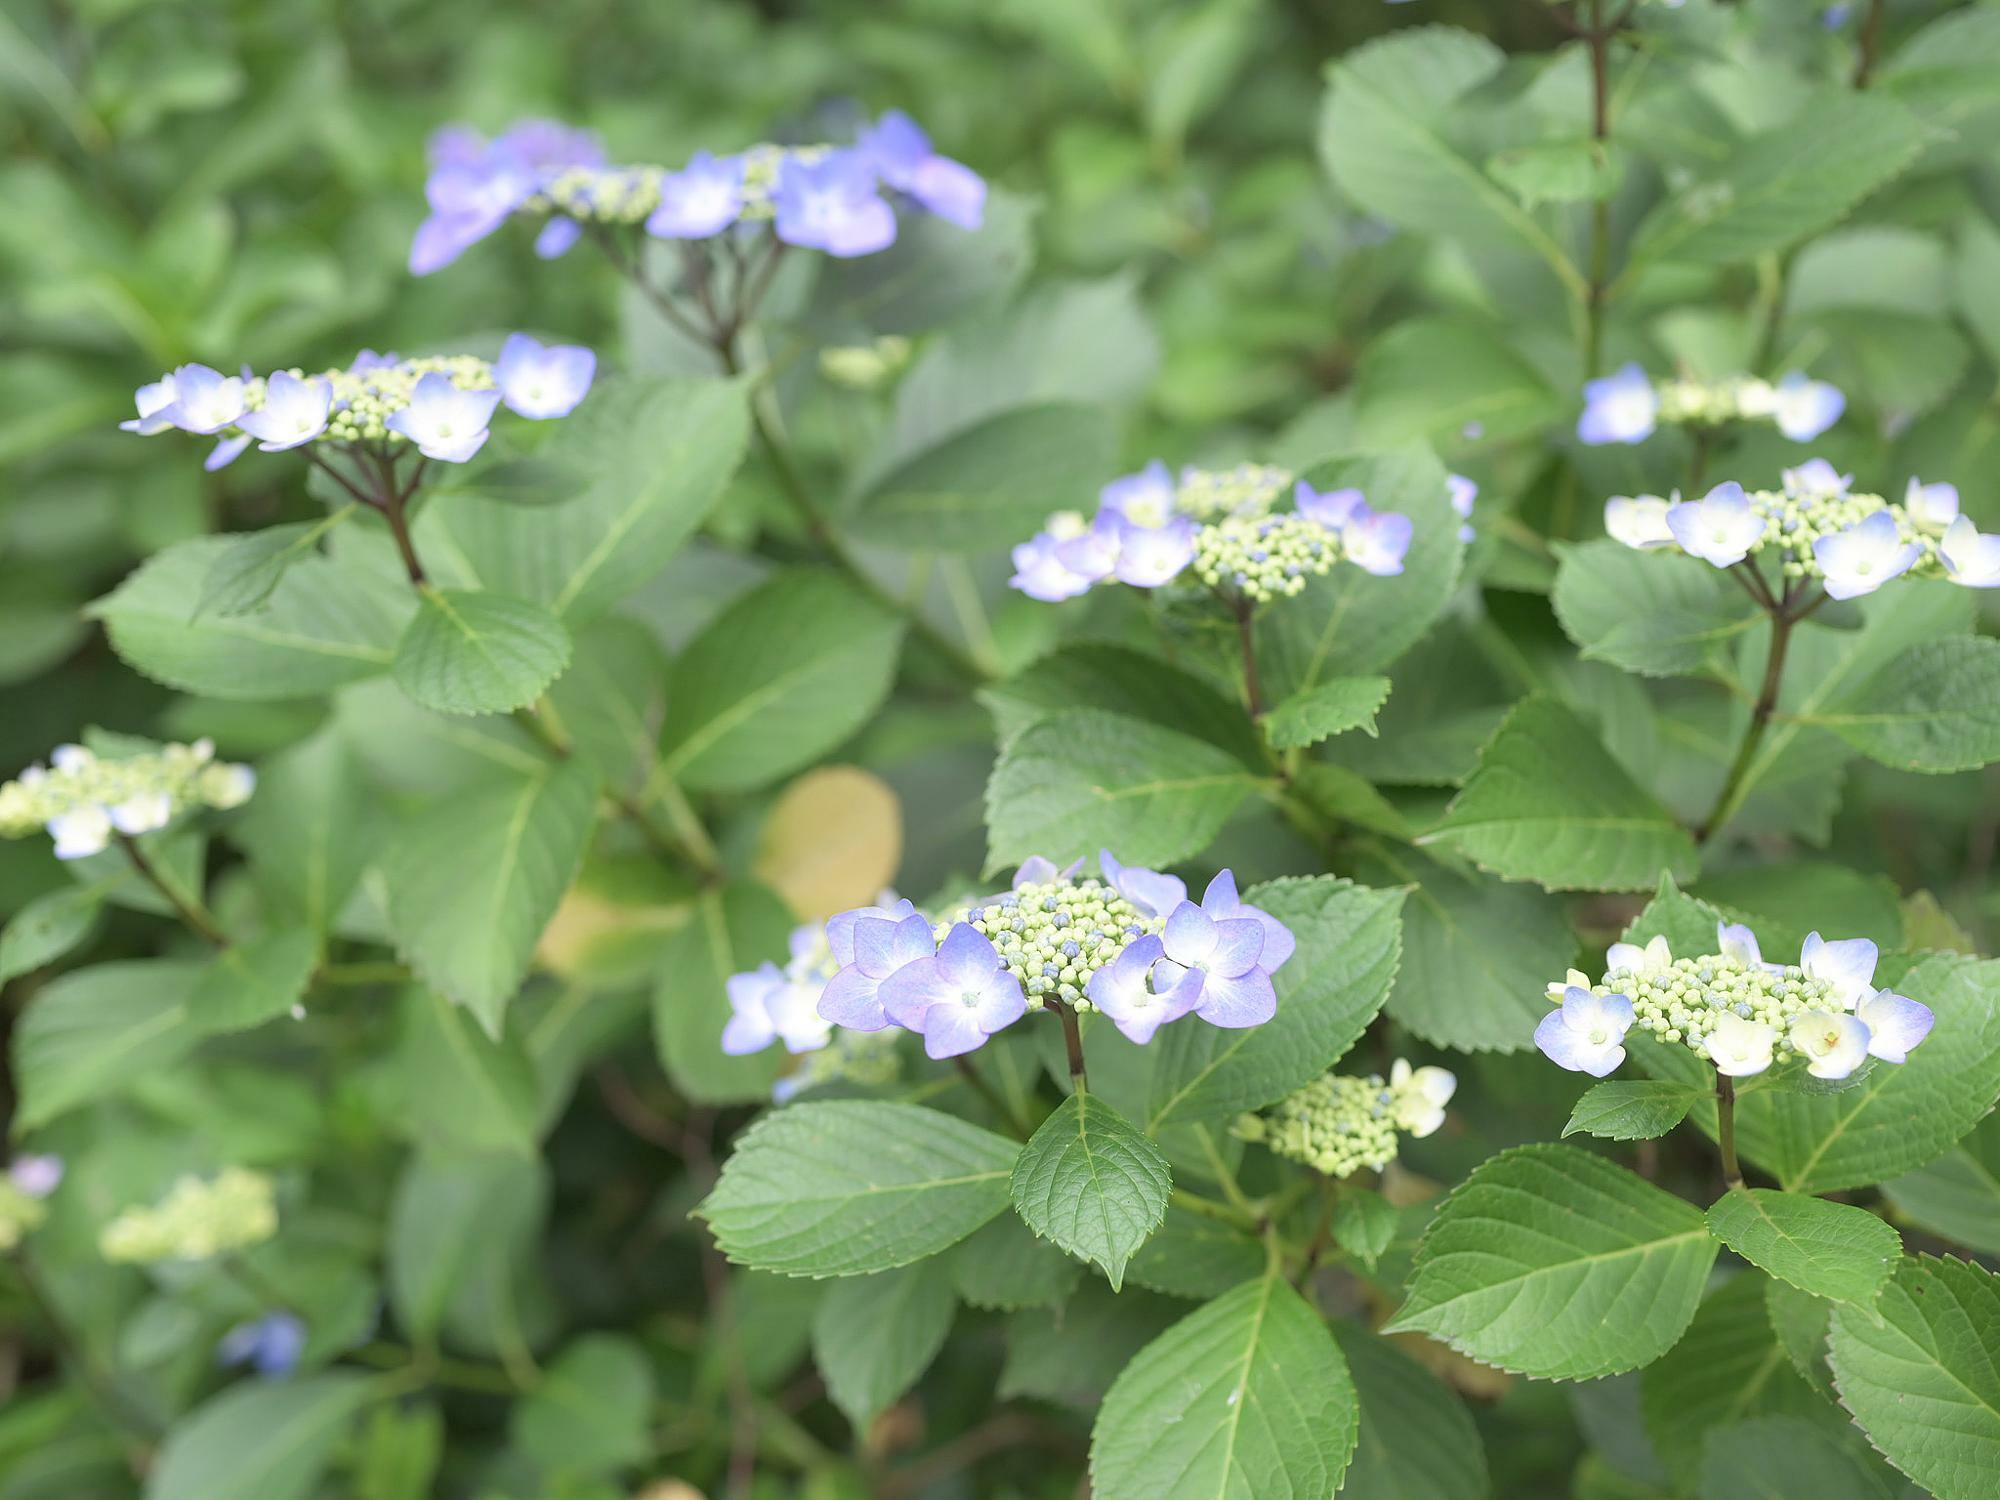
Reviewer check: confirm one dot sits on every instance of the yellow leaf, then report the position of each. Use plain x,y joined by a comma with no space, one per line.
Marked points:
833,841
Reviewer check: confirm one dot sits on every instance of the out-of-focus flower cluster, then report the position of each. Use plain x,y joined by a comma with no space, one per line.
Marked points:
199,1219
1130,945
443,404
1630,406
1817,527
29,1180
1339,1125
1735,1011
1224,527
82,798
839,198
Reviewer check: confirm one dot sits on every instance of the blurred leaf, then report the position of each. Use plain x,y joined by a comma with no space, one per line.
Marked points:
873,1336
253,982
97,1031
263,1440
731,931
469,652
593,1411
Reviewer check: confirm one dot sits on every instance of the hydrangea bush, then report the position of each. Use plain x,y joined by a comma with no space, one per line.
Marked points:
1261,767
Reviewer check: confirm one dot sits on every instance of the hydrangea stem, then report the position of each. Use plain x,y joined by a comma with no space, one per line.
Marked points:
1073,1042
1725,1129
188,909
1596,294
1246,634
1735,784
1871,44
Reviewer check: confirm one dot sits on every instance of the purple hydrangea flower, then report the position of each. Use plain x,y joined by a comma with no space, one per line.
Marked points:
1376,541
226,452
1151,556
1039,869
1222,902
445,423
1620,408
901,154
271,1345
155,405
558,237
878,947
1895,1023
1145,498
832,205
766,1006
1586,1033
1041,573
542,381
1860,559
36,1175
1720,528
1333,509
294,412
1464,494
475,184
1235,989
1153,893
705,197
1124,989
1847,965
1805,408
1932,506
1815,479
956,998
205,400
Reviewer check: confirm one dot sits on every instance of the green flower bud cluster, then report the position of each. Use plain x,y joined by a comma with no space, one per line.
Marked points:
1053,935
1336,1125
865,367
135,793
863,1059
1681,1002
1702,403
364,399
628,195
1264,558
20,1214
197,1220
1248,490
1793,522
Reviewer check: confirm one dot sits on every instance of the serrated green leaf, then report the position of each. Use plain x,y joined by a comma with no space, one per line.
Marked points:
855,1186
1324,710
472,881
1085,780
250,983
1924,1380
1832,1250
1092,1183
1547,803
729,931
325,625
592,1411
1800,1321
1417,1442
873,1336
987,486
249,570
99,1031
1935,708
1364,1223
468,652
1004,1267
52,924
1349,943
1786,184
1656,614
261,1440
1632,1109
1771,1458
932,273
1072,1354
1551,1262
1246,1398
783,675
1193,1255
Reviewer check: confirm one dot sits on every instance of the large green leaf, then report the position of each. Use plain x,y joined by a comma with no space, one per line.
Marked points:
99,1031
463,1089
325,624
1084,780
46,928
472,881
1119,680
262,1440
988,486
253,982
244,575
730,930
1632,1109
468,651
1003,1266
1418,1442
1658,614
1551,1262
1774,1458
592,1412
1246,1398
1832,1250
873,1336
311,829
856,1186
463,1250
1092,1183
1923,1377
1427,379
1934,708
1957,1197
1547,803
783,675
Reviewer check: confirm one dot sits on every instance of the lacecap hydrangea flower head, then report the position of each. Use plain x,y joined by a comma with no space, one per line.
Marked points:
1339,1125
199,1219
377,408
1252,533
1816,527
837,197
1629,406
82,799
1129,945
769,1004
1734,1010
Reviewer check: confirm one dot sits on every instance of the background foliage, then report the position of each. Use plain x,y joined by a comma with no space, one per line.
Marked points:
1342,235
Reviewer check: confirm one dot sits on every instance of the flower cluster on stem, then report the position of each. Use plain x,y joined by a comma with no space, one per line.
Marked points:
1629,406
199,1219
1339,1124
83,800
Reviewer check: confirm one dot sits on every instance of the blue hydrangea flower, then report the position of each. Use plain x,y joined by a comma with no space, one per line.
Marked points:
1847,965
205,400
1970,559
1464,495
1720,528
1125,989
1333,509
766,1006
155,405
1377,541
1145,498
446,423
1862,558
1587,1033
271,1345
1639,521
294,411
1235,990
542,381
1833,1042
1041,573
705,197
1815,479
1895,1023
902,156
1149,556
475,184
832,204
1804,408
1931,506
878,947
1619,408
1222,902
956,998
1153,893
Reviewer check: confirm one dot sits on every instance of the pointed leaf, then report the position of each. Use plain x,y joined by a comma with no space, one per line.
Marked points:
469,652
1092,1183
873,1336
1332,707
1832,1250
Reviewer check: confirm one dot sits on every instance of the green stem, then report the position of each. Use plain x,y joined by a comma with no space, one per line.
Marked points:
1073,1043
1871,44
1735,783
1208,1208
1598,39
689,842
190,910
1725,1123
